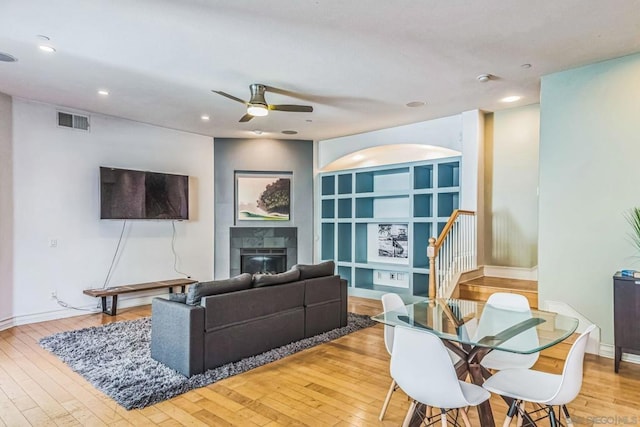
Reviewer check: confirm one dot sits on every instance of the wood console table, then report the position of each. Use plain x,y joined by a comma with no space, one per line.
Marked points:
114,291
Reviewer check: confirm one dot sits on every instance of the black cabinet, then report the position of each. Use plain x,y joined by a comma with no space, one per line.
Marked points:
626,309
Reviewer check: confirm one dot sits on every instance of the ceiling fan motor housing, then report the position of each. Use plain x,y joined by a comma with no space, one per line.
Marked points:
257,94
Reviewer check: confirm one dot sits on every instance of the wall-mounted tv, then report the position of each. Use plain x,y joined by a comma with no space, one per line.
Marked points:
132,194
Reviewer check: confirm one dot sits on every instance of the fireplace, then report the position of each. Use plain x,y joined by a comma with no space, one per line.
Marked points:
249,245
265,260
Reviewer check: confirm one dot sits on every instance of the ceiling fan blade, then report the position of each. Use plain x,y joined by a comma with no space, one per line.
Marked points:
229,96
245,118
292,108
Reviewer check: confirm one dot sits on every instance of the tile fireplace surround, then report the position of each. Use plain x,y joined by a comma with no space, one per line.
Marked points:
262,237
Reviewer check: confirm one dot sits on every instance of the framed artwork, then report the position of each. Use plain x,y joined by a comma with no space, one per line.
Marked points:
263,196
389,243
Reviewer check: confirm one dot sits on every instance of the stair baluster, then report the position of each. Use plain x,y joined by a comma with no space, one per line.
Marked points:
452,253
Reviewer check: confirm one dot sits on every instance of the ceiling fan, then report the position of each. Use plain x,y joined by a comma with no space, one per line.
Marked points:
257,106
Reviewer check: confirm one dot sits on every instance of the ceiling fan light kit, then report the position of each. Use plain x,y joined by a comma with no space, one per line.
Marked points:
257,110
257,106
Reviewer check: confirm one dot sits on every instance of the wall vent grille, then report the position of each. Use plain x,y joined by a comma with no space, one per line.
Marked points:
73,121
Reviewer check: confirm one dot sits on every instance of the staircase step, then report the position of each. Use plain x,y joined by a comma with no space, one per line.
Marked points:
561,350
481,288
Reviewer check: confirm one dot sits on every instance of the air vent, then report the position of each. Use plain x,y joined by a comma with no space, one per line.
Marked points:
74,121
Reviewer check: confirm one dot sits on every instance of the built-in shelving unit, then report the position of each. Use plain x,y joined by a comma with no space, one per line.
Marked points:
376,222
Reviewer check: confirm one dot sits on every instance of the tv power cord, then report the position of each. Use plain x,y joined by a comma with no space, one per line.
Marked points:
67,305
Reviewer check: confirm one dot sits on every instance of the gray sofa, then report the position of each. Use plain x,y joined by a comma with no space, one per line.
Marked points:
225,321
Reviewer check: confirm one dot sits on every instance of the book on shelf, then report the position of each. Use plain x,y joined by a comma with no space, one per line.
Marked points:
630,273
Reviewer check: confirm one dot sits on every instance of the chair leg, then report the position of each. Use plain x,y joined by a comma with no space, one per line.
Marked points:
510,413
388,399
552,417
565,411
407,418
520,412
465,417
443,417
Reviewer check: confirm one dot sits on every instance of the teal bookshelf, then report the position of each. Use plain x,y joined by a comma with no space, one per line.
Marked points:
375,223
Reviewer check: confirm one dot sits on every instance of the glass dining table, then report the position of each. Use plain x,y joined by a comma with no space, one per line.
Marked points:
472,329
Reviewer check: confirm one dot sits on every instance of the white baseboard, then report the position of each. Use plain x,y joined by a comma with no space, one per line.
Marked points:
6,323
519,273
608,351
69,312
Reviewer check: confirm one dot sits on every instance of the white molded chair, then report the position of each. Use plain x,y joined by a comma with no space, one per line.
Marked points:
422,368
390,302
528,385
492,321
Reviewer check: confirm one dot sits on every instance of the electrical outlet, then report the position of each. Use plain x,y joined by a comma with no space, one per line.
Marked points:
54,294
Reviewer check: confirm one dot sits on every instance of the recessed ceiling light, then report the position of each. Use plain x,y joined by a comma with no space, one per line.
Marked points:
257,131
290,132
46,48
43,37
5,57
513,98
204,118
483,78
415,104
103,92
525,66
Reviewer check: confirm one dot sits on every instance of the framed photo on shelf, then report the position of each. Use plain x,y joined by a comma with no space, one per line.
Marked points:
389,243
263,196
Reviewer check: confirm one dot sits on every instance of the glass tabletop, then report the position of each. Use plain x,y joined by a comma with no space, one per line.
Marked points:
478,324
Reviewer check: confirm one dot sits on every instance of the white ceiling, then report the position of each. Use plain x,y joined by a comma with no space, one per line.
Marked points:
357,62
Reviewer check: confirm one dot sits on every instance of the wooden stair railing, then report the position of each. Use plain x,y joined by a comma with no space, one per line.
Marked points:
452,253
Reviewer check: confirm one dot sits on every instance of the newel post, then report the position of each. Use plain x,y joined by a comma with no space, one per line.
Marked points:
431,253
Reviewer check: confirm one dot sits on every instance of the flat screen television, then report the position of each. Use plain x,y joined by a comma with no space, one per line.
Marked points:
132,194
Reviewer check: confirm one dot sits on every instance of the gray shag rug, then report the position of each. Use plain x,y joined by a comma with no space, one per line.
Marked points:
116,359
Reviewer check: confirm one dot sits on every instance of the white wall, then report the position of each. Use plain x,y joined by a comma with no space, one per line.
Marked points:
6,210
589,177
511,187
56,196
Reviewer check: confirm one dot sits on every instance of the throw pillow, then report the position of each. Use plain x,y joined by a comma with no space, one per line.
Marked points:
326,268
178,297
200,290
260,280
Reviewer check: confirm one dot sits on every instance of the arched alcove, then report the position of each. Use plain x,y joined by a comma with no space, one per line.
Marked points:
389,154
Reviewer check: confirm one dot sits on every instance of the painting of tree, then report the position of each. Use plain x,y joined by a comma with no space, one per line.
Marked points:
263,197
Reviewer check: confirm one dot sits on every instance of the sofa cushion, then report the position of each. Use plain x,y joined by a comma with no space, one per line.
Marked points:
178,297
322,289
260,280
221,311
326,268
200,290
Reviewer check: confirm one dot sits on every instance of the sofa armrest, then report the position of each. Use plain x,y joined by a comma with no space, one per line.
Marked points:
177,336
343,301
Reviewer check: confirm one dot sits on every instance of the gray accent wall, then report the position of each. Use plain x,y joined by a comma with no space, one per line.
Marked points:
262,155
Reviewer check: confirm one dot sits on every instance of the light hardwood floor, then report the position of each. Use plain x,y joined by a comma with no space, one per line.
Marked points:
341,383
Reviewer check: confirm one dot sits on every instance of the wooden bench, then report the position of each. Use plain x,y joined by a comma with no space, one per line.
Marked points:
114,291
